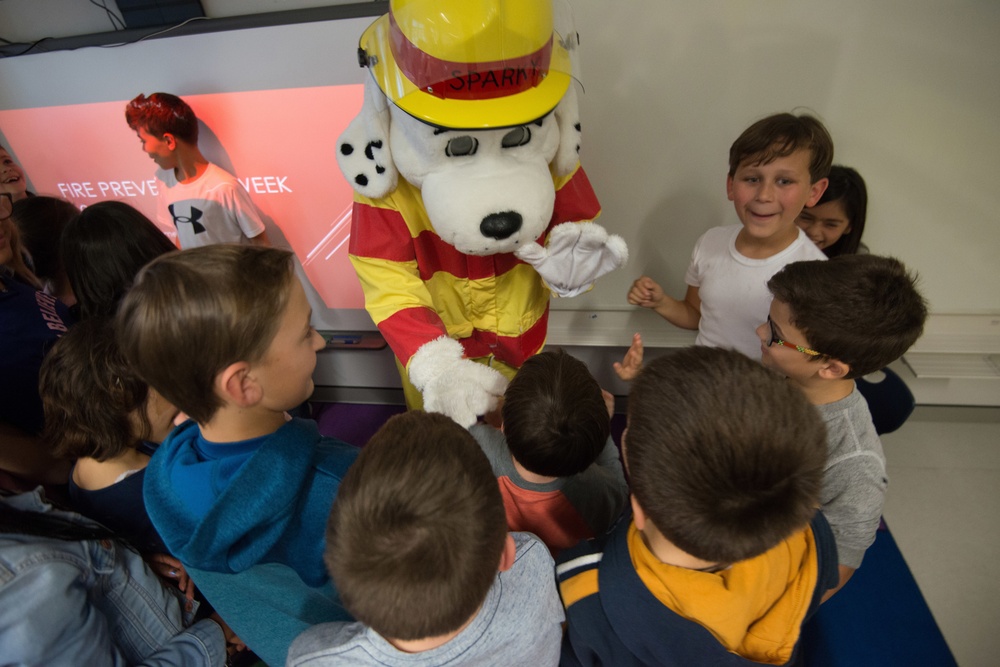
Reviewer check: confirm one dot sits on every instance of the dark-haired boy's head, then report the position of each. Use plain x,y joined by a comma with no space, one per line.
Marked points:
554,416
40,221
416,534
725,458
193,313
103,248
862,310
781,135
161,114
91,395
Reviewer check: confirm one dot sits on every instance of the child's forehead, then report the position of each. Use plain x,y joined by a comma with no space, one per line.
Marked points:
797,158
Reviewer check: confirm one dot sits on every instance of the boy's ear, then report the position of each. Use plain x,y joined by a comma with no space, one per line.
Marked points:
170,140
508,555
624,453
833,369
236,385
637,514
816,191
729,187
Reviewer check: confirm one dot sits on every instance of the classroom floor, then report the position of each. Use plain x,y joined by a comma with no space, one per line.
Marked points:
943,508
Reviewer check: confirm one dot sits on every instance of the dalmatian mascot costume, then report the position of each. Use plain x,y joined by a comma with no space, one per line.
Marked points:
471,208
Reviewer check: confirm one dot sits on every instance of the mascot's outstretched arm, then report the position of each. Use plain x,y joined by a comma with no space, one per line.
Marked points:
576,255
453,385
401,305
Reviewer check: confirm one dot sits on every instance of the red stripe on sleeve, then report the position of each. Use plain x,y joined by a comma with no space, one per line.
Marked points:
575,200
406,330
380,233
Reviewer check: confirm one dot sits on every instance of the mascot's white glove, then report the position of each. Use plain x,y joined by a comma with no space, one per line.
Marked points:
453,385
577,254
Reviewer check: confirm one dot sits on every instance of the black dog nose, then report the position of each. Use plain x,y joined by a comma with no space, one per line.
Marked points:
500,225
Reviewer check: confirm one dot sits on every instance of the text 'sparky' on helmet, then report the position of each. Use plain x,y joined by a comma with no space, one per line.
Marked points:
473,64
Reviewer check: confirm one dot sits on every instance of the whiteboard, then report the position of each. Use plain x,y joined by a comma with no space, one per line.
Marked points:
909,90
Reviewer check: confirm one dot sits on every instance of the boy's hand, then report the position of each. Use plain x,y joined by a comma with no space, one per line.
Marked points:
632,362
645,292
171,569
233,643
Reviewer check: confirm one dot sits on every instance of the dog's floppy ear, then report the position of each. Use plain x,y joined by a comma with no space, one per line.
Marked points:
568,119
363,149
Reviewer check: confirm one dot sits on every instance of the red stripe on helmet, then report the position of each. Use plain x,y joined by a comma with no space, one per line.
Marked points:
453,80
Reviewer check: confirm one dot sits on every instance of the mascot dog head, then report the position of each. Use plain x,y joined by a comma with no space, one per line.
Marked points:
486,190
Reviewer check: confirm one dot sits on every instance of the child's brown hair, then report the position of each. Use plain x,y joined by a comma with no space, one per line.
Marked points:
416,533
160,114
780,135
192,313
863,310
554,416
724,456
91,395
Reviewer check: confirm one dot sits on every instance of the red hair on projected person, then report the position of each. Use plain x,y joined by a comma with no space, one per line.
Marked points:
162,113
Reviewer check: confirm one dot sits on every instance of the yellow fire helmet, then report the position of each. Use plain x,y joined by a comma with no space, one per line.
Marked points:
473,64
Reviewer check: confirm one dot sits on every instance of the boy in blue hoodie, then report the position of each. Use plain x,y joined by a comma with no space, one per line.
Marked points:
240,493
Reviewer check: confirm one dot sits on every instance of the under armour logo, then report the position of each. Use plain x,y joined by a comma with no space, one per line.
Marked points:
195,217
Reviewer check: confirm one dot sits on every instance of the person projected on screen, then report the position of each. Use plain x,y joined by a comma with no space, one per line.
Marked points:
202,201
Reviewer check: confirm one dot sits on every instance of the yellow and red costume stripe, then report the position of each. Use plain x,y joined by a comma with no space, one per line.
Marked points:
418,288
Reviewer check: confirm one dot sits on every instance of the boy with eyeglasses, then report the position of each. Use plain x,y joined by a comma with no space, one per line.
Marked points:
831,322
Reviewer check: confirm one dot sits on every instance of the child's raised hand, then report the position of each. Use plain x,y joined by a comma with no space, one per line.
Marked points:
645,292
632,362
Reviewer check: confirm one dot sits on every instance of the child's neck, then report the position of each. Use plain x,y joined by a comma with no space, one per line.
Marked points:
234,424
92,475
755,248
428,643
822,392
670,554
191,164
529,476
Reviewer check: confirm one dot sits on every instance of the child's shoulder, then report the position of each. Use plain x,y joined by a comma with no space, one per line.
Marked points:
335,456
327,642
527,605
589,554
803,248
494,444
530,550
721,236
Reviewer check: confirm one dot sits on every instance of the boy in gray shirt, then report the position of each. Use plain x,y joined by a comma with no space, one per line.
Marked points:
831,322
418,547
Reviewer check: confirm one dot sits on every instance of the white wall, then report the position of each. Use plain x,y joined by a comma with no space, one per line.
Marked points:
909,89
